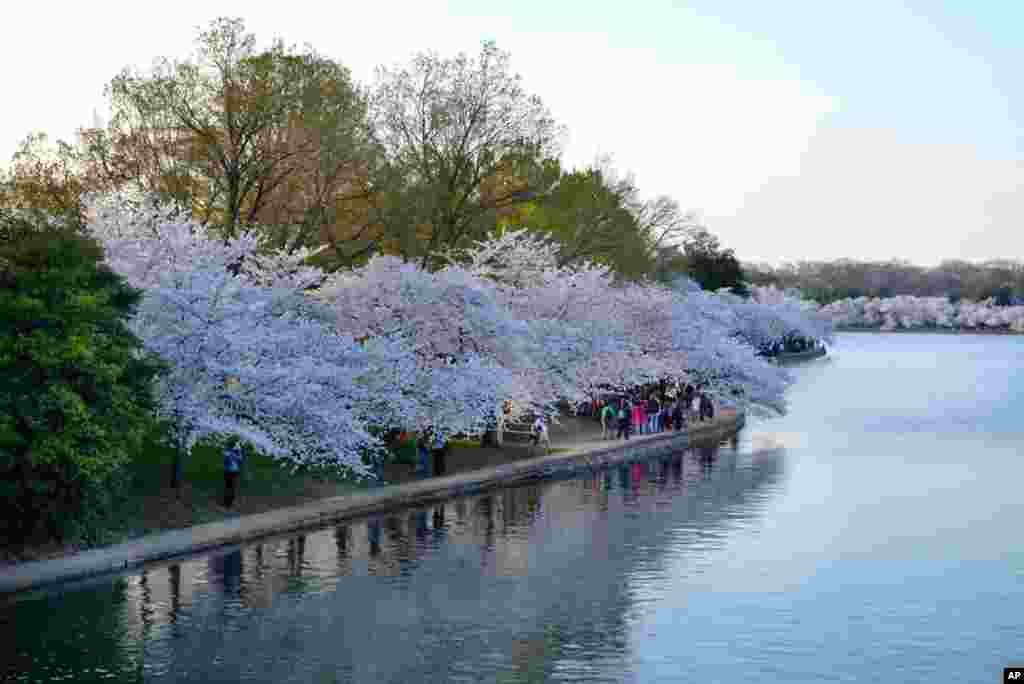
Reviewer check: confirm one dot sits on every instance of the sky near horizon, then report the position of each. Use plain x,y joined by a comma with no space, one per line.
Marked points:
799,130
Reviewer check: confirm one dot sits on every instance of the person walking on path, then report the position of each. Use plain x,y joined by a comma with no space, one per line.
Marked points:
540,434
653,414
624,415
607,421
233,458
707,409
503,418
678,415
638,417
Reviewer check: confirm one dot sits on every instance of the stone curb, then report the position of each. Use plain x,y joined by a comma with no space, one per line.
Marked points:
174,543
799,356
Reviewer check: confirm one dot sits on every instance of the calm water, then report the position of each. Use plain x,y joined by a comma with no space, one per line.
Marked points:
873,534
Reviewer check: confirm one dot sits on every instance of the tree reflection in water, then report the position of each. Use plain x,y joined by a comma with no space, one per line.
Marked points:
567,551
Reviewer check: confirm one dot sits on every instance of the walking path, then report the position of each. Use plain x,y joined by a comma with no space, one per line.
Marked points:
470,471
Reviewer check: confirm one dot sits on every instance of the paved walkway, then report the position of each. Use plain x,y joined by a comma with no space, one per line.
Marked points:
576,434
469,471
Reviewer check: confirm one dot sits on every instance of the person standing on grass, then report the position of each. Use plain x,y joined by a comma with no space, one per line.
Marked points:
423,452
440,447
607,418
233,458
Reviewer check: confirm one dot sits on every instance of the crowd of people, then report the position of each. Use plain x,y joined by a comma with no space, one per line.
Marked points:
431,448
789,345
643,411
651,411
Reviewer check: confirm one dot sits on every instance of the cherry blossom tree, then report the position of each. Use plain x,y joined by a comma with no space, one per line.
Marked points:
771,315
461,335
588,333
723,362
248,354
315,368
599,333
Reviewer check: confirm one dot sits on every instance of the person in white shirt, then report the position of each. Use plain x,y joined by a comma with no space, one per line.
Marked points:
540,433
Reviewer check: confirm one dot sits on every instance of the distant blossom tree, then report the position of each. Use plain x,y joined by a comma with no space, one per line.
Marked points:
908,312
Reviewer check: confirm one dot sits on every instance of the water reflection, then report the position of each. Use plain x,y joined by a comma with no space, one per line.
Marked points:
516,584
225,573
839,541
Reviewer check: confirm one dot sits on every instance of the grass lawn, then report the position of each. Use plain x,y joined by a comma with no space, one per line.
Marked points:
151,505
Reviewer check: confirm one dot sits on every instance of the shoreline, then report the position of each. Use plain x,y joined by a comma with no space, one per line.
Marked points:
176,543
934,331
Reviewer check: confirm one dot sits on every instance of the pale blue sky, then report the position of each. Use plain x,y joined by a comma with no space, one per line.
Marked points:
799,129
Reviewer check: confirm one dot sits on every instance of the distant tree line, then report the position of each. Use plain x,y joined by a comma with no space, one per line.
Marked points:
829,281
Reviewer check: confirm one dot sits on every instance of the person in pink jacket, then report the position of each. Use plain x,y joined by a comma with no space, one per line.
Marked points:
638,418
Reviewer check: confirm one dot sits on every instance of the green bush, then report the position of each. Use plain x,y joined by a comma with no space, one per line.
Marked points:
404,452
75,399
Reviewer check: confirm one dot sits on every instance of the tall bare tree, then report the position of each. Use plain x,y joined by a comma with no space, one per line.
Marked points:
445,125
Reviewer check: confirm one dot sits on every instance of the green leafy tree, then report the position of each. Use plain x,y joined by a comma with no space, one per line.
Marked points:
710,265
595,215
75,390
589,215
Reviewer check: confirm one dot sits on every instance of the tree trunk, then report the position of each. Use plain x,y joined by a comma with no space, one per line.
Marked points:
178,470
